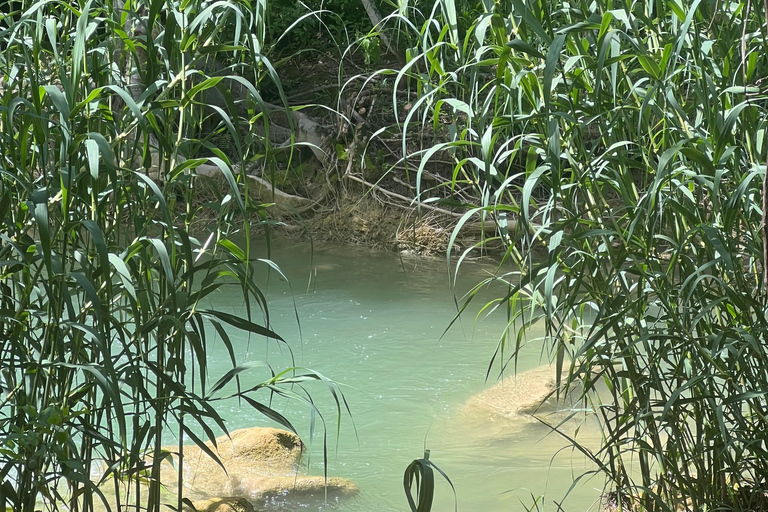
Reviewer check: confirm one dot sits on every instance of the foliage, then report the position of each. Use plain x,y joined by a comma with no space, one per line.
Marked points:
316,23
419,473
104,309
619,149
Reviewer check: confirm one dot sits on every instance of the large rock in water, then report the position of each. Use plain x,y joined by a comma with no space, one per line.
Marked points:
517,395
261,465
269,450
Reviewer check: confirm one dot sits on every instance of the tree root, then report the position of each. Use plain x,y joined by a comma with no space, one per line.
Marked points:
487,228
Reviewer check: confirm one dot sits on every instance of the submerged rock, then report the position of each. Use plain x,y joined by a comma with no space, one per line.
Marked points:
278,491
261,465
517,395
220,505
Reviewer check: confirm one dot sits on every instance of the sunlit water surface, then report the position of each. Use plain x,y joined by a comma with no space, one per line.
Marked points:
374,322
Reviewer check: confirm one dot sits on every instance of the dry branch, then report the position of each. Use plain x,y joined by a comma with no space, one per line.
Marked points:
264,191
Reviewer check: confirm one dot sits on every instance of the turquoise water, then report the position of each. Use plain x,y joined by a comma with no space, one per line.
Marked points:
374,323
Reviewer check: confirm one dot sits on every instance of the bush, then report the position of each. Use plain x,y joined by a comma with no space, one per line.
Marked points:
619,148
103,283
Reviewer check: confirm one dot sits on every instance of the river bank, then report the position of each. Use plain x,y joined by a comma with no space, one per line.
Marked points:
355,215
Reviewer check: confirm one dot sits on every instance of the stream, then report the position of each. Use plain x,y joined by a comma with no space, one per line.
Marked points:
375,323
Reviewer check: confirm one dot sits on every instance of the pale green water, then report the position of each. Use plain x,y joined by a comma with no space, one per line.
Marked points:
373,324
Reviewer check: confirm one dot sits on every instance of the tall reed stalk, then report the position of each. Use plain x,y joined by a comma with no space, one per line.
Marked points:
619,148
105,288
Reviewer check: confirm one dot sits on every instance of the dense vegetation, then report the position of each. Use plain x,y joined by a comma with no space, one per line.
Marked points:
617,150
105,313
620,149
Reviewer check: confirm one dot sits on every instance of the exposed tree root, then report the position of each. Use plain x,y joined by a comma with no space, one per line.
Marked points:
486,228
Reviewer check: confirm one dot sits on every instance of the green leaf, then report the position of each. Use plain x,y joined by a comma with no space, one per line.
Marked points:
522,46
550,66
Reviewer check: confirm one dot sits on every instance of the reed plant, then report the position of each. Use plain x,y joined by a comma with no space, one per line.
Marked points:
619,148
108,262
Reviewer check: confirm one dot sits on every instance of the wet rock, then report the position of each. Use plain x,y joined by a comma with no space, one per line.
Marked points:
517,395
277,449
261,465
294,489
267,451
220,505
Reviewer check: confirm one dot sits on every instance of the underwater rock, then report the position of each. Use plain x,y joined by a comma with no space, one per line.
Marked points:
220,505
517,395
274,491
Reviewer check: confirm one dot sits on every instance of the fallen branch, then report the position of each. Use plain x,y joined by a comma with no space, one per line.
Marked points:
264,191
401,182
375,17
267,192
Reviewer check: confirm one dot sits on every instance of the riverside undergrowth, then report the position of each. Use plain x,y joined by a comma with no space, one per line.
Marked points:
619,149
105,117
